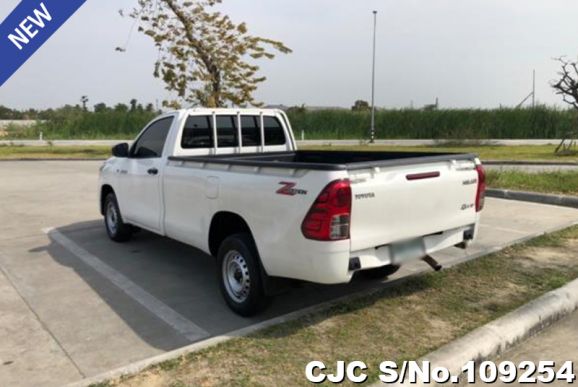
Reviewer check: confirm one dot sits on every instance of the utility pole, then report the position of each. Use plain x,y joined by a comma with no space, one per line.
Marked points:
534,89
532,93
372,130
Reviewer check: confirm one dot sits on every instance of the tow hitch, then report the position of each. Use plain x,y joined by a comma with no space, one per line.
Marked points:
432,262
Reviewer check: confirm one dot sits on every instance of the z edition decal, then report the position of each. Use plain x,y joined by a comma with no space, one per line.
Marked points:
289,189
28,27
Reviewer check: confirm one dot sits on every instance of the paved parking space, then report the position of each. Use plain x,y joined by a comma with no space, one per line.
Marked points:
73,304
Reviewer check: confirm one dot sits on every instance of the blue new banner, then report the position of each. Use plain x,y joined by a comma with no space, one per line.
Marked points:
27,28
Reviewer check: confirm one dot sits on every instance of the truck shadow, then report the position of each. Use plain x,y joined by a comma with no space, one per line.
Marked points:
184,279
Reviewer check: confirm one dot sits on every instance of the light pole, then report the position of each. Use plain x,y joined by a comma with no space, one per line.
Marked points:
372,129
534,89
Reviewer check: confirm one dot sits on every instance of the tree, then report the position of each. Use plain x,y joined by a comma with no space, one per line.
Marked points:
360,106
567,85
120,107
133,105
84,100
100,107
204,56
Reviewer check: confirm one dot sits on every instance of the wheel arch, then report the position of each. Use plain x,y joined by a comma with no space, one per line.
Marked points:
104,191
223,225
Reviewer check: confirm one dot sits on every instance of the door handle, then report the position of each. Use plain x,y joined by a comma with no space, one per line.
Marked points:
153,171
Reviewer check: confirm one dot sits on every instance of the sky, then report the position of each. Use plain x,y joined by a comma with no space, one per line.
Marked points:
467,53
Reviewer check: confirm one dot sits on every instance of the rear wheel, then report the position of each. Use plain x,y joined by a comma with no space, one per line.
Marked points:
240,275
116,229
381,272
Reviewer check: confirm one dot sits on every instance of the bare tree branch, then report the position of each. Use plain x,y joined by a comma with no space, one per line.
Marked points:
567,85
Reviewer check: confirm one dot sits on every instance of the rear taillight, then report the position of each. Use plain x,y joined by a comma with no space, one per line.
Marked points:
481,194
329,217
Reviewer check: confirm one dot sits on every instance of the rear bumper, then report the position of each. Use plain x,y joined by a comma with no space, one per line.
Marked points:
381,256
334,268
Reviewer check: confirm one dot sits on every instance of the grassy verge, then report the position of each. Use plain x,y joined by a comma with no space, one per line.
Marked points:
403,322
545,153
486,152
54,152
546,182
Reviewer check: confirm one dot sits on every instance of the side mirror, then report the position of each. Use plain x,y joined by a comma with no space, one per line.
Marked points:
120,150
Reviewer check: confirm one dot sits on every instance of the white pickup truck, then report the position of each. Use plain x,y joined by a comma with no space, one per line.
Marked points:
233,184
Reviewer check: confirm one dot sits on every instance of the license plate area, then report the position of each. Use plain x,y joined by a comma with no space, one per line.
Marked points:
402,252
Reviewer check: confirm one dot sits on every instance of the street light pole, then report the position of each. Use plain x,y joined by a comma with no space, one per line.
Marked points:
372,130
534,89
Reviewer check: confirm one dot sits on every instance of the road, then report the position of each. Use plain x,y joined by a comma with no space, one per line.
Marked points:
75,304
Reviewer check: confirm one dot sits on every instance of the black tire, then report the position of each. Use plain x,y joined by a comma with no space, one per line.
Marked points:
116,229
240,276
380,272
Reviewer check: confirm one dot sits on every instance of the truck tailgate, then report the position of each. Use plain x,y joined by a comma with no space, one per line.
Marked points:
395,204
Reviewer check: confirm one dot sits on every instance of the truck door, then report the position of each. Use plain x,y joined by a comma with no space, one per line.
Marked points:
141,185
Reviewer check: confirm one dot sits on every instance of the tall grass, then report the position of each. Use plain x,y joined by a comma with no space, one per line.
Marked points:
540,122
85,125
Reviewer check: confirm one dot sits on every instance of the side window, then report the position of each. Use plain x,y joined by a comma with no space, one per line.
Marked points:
251,131
227,131
151,143
198,133
274,133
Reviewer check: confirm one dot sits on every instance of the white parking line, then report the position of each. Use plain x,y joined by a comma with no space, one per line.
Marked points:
182,325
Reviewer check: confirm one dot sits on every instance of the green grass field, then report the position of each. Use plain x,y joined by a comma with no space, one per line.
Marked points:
455,124
54,152
546,182
516,153
550,182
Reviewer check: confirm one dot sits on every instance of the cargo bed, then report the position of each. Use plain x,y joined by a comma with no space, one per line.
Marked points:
327,160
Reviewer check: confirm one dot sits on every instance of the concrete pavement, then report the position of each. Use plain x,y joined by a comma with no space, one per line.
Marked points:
75,304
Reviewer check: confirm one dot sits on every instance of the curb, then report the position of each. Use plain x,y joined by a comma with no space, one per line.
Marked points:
141,365
500,335
556,200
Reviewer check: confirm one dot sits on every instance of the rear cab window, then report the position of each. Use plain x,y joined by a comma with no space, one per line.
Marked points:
198,133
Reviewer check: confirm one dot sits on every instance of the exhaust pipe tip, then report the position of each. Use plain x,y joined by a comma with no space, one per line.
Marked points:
433,263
